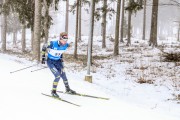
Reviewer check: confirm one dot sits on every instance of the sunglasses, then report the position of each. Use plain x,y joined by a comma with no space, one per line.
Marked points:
65,37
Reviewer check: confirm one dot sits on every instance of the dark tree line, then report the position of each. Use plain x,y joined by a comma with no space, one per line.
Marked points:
34,14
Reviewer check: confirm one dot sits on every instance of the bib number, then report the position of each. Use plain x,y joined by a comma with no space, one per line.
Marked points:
56,53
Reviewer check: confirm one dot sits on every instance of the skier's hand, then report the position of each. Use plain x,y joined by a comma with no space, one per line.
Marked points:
43,59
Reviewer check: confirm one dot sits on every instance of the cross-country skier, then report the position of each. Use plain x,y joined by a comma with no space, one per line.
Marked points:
55,61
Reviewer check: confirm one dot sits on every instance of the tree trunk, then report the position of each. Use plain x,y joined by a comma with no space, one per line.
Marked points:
140,2
153,34
104,24
23,39
14,37
46,22
46,28
144,21
32,39
92,29
3,31
178,32
37,30
1,26
116,42
80,7
122,22
90,39
67,16
76,36
129,28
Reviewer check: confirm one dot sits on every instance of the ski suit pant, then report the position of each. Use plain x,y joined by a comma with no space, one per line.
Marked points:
57,68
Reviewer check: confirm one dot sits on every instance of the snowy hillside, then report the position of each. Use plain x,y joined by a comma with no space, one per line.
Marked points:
139,85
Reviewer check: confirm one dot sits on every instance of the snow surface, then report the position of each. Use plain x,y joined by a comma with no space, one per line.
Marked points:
21,97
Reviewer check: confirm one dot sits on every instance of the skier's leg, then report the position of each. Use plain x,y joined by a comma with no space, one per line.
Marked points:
57,78
65,81
63,76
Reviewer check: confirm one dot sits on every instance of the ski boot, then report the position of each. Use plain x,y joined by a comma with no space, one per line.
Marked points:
54,94
68,90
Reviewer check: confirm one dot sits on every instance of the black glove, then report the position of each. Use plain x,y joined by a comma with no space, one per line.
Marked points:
43,59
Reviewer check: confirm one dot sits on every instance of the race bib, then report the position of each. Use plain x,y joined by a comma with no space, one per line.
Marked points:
56,53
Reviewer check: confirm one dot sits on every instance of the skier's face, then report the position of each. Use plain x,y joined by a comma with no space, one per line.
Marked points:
63,39
63,42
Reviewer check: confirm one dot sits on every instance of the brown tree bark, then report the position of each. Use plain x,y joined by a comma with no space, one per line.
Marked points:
154,18
37,30
144,21
116,42
76,30
23,39
104,24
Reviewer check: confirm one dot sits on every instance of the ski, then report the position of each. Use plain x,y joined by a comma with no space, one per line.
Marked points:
58,98
84,95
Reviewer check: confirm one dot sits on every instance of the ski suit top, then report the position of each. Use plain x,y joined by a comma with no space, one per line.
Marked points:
55,49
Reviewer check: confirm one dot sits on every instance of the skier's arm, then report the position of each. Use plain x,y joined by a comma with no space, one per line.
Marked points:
68,45
44,48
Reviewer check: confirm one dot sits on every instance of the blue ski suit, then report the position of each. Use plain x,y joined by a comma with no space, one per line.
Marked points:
55,61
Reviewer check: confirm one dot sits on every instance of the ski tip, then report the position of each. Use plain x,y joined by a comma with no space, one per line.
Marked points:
77,105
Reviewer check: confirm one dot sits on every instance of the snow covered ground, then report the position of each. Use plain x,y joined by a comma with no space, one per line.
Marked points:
116,78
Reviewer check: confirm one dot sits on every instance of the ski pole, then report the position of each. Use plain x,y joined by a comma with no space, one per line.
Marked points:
22,69
38,69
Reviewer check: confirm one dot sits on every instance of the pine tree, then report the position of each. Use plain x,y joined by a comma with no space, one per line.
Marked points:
129,23
79,24
144,21
37,30
116,42
4,24
76,36
122,22
104,24
67,17
154,19
23,39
